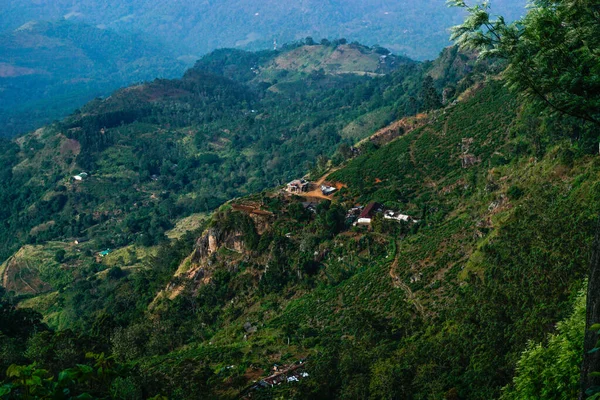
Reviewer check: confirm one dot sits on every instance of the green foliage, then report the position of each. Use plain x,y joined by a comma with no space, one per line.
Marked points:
448,307
515,192
84,381
550,52
551,370
166,149
59,256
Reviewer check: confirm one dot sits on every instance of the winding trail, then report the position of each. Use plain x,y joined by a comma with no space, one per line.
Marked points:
399,283
24,281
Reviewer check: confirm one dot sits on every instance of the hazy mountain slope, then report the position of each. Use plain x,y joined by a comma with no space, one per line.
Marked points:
418,29
48,69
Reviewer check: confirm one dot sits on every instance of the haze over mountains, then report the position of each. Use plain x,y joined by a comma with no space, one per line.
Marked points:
48,69
416,28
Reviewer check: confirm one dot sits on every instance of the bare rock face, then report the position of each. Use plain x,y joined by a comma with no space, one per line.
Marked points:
199,267
213,240
261,222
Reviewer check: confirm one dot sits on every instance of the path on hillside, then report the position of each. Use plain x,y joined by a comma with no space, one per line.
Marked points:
425,177
399,283
5,272
18,275
23,280
316,193
396,129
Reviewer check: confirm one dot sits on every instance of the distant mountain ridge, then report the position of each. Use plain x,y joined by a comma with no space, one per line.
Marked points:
48,69
417,29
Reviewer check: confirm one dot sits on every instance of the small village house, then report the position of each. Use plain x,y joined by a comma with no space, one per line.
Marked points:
298,186
310,206
366,216
396,216
81,176
327,190
105,252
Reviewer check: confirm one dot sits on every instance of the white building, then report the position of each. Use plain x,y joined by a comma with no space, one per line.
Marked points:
396,216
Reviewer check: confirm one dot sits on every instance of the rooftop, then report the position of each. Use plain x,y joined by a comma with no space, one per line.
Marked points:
369,210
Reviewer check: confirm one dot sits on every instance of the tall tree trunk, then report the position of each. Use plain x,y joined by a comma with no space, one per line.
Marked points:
591,362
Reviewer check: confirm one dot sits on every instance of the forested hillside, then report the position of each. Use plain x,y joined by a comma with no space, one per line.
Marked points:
434,242
395,311
49,69
160,151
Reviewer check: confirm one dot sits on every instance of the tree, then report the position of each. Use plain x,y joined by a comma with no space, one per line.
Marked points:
59,256
591,359
552,57
552,53
431,98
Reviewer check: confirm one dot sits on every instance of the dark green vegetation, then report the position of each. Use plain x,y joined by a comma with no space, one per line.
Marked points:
47,70
418,29
552,53
440,309
479,298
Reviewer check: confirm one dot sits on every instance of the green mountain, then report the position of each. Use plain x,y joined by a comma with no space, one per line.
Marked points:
416,28
48,69
188,145
197,274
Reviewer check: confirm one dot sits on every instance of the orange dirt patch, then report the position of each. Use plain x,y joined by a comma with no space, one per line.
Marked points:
315,192
250,209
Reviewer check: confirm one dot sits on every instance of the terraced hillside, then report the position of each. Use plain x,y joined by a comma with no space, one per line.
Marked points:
416,302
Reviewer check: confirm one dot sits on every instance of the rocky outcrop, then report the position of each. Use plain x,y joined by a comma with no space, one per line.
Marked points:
214,239
231,230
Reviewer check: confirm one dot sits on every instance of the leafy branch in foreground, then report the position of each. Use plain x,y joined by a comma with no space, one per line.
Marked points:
552,52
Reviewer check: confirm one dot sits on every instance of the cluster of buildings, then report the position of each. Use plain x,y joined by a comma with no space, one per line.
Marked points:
360,215
364,215
281,374
300,186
